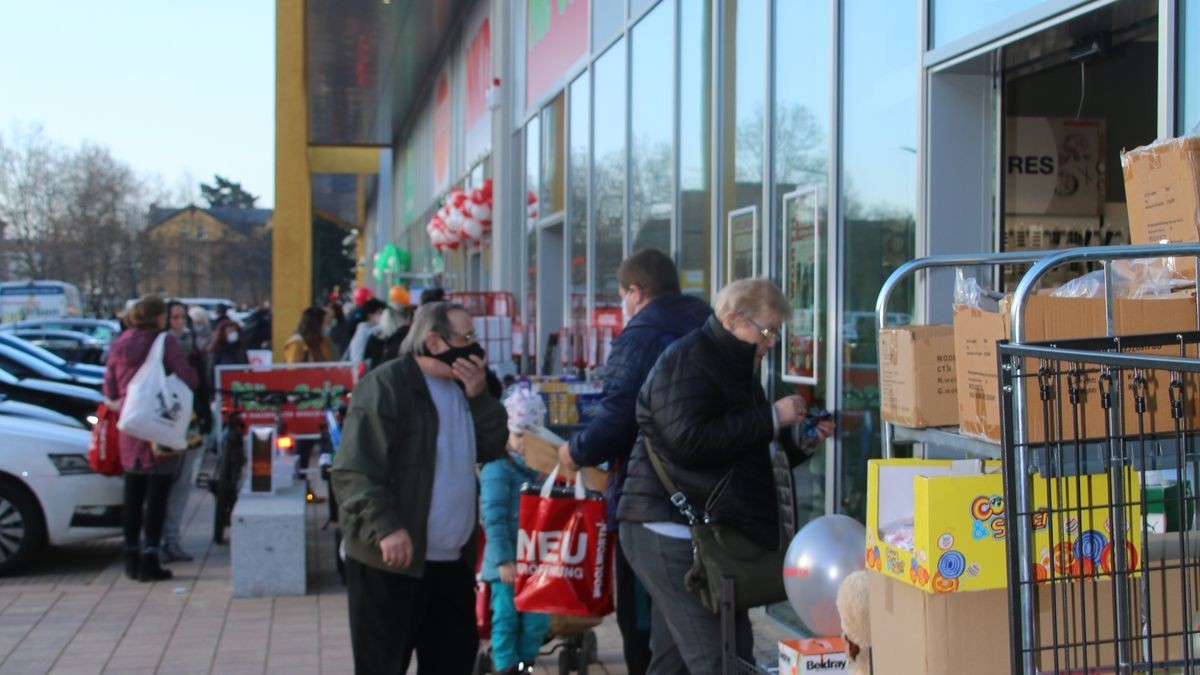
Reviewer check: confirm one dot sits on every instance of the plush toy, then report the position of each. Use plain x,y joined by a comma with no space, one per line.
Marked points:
855,610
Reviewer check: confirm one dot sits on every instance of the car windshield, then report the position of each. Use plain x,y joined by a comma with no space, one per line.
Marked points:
24,365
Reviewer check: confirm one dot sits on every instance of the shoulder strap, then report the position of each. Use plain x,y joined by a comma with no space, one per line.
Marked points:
677,497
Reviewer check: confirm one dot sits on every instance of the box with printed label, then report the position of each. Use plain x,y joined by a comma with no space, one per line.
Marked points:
916,373
813,655
976,332
941,525
1162,193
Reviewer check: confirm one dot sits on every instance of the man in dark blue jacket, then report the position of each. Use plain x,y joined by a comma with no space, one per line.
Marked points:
656,314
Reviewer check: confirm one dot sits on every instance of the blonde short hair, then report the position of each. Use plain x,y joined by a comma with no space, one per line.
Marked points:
753,297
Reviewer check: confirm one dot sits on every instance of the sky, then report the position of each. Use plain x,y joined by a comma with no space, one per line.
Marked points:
181,89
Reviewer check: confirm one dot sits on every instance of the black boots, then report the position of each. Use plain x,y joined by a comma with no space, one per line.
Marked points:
133,562
151,570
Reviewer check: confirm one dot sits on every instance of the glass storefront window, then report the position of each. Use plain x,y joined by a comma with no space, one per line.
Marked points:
577,157
651,182
695,147
1188,116
953,19
608,18
879,168
608,173
803,87
533,210
745,74
636,6
553,124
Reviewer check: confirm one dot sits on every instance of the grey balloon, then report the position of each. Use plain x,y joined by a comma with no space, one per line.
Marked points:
819,557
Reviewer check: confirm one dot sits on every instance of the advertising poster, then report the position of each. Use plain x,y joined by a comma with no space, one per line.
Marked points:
479,79
441,134
742,245
1054,166
304,419
802,285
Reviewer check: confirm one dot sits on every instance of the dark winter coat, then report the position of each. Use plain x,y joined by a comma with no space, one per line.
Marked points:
704,409
609,437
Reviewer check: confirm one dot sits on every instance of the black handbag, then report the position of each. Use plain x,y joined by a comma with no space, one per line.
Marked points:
721,551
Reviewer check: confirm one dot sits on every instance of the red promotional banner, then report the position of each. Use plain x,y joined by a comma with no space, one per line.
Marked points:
441,133
478,128
556,37
305,417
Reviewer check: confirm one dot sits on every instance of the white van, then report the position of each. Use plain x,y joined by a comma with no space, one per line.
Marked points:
38,299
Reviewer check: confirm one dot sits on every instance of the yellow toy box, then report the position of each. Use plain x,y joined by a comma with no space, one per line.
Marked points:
941,525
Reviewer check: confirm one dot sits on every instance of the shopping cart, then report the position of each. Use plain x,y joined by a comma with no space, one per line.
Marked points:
1098,581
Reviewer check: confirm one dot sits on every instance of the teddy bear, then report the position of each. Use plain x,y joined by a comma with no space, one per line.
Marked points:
855,611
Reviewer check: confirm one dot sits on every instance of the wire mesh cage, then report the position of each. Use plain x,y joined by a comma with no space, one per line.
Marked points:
1101,477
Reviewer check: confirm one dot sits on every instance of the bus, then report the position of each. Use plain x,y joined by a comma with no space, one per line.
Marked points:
38,299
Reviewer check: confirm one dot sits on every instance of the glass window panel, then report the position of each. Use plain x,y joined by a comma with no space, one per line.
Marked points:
745,69
953,19
608,174
608,18
695,146
553,126
650,182
577,199
1188,117
532,173
878,164
636,6
803,86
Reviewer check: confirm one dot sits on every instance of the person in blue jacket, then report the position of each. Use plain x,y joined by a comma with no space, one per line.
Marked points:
656,314
516,636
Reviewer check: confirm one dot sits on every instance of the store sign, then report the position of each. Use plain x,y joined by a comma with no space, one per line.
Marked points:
1054,166
479,80
556,36
305,417
441,134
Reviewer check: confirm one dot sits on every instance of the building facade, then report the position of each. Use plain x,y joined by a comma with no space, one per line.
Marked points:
210,253
820,143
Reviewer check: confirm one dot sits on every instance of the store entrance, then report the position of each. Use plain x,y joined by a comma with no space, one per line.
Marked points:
1024,140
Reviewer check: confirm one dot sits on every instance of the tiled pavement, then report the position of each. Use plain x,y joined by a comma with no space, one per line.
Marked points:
76,613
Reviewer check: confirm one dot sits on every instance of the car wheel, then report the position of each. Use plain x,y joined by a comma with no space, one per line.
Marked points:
22,531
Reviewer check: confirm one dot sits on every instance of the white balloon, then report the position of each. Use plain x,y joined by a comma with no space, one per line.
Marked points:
472,229
821,554
454,223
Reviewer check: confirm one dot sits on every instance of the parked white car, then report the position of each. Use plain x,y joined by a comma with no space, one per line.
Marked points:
48,493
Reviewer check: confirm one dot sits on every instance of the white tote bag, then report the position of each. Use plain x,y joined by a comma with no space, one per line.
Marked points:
157,407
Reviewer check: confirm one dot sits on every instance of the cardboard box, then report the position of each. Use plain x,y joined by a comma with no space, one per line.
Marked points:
1162,192
916,372
1049,318
814,655
914,633
540,447
959,524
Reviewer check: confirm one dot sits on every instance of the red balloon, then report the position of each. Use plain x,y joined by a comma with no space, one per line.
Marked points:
361,295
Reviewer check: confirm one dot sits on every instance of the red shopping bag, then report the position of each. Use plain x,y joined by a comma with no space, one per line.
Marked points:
564,551
104,451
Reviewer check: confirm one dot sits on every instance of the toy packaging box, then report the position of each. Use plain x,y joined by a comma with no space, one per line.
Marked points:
941,525
813,655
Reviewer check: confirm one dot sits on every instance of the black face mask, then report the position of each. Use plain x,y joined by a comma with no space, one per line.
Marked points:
453,354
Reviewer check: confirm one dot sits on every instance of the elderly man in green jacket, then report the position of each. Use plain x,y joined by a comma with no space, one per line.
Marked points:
405,477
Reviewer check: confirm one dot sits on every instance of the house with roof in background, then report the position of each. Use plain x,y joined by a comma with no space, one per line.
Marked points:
222,252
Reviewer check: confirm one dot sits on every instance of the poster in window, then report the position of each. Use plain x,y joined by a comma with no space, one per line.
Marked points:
802,285
742,245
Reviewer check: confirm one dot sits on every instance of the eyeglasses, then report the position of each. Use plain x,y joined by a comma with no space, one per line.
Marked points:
768,334
469,337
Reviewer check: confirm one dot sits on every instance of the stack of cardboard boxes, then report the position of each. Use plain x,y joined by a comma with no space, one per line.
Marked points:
937,376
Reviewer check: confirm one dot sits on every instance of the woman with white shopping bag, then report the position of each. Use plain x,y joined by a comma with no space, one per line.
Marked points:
147,378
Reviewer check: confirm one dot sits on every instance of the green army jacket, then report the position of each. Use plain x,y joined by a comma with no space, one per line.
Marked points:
383,471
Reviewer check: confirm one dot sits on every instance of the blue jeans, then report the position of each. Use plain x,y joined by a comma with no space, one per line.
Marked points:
516,636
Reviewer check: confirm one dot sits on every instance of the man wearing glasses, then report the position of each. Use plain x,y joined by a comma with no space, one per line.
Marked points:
405,477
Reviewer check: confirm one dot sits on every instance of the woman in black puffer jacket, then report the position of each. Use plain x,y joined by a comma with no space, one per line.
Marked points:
709,421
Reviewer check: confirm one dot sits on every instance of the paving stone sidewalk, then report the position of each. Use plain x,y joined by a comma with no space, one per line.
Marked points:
75,613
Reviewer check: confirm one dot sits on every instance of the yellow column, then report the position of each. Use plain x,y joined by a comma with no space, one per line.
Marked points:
291,242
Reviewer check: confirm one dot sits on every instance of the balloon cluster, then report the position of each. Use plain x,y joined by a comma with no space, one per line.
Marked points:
391,260
464,217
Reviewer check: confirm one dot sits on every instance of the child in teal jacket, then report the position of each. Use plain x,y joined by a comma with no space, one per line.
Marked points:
516,636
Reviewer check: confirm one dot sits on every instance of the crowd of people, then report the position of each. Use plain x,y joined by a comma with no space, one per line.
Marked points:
682,404
681,382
